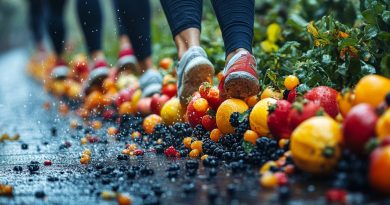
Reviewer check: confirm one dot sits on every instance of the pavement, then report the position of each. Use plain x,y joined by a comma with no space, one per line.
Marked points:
67,181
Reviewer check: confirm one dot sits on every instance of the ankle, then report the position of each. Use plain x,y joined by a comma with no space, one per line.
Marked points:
231,54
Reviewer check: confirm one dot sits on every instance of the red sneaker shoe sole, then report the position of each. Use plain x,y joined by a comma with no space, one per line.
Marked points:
241,84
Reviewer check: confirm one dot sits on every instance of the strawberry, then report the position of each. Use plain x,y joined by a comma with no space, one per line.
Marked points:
301,112
214,98
278,119
326,97
359,127
292,95
194,117
204,89
209,122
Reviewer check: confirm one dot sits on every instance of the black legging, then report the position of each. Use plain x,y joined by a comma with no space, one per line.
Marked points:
90,18
37,20
134,21
56,24
235,17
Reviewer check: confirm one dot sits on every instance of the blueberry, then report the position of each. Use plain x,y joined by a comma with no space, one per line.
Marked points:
24,146
40,194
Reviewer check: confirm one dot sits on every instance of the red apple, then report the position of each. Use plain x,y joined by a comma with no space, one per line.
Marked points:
158,102
359,127
143,106
124,95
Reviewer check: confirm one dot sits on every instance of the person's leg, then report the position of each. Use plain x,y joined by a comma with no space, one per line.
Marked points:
184,18
56,25
236,19
90,18
36,9
126,58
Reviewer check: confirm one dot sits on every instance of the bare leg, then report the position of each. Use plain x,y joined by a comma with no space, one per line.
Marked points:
186,39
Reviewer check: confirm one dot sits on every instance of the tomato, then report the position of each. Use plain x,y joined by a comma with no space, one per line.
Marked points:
380,168
169,89
291,81
204,89
166,63
326,97
194,116
214,98
316,145
209,122
359,127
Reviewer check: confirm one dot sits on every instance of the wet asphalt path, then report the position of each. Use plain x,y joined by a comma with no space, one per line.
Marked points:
69,182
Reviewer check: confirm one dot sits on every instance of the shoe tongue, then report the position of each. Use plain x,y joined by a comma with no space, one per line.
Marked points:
126,52
233,60
99,64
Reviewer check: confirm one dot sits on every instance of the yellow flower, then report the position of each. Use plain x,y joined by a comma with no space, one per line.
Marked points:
269,46
312,29
274,32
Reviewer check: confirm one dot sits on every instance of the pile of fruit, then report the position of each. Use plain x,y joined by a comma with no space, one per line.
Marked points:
303,120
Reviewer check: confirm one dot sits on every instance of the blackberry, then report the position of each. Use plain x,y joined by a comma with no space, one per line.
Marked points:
199,131
262,143
234,119
229,139
242,127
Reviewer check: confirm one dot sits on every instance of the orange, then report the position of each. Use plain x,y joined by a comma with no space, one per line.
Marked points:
109,84
197,145
201,105
372,89
194,153
225,110
345,102
187,142
74,90
251,136
94,100
252,100
259,116
172,111
380,169
126,108
150,122
123,200
215,135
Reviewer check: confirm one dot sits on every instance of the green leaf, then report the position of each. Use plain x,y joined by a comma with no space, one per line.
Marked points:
243,116
386,16
385,65
248,147
384,36
371,31
302,88
369,16
367,68
348,42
